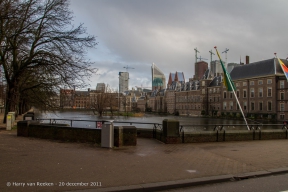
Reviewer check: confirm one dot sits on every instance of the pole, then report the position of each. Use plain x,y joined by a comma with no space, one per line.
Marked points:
227,75
211,53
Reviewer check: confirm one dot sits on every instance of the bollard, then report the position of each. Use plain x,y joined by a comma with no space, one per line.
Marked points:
9,122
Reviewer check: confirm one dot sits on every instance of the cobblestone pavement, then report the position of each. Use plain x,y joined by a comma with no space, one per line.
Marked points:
32,160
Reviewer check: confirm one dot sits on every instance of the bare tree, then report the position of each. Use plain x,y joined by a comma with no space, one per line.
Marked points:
40,49
100,103
112,102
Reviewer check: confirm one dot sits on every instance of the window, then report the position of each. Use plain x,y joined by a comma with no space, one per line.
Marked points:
260,92
252,92
224,95
224,105
231,95
281,106
231,105
244,93
269,81
251,82
260,106
281,84
269,92
252,106
238,94
282,116
203,83
245,105
237,84
244,83
282,96
237,107
260,82
210,90
269,106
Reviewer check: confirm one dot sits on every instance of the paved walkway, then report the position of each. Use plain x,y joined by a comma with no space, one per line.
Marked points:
150,163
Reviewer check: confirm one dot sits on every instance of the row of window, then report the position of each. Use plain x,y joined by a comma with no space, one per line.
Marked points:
260,82
194,98
252,93
252,106
188,107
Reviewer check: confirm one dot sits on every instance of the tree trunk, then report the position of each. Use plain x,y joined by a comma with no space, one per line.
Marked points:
12,100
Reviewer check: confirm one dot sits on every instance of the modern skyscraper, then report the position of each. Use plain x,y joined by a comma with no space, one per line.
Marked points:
216,68
100,87
158,78
123,81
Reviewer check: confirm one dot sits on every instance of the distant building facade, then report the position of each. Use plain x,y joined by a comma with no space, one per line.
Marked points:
158,78
231,66
123,82
101,87
216,68
200,68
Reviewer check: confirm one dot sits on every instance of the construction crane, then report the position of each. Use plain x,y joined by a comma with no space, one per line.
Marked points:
211,53
127,68
226,50
196,51
201,59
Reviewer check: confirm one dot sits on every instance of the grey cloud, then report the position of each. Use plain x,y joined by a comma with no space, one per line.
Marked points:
137,32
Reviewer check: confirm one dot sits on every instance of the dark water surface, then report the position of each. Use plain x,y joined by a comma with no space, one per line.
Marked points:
147,121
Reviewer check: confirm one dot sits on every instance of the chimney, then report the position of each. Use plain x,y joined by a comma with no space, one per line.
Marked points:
247,59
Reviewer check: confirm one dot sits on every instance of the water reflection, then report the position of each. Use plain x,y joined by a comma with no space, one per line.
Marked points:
190,124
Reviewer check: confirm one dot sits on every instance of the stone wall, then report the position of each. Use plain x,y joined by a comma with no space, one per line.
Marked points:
123,136
127,135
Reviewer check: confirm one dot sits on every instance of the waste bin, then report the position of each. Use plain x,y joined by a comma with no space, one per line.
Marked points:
107,135
9,122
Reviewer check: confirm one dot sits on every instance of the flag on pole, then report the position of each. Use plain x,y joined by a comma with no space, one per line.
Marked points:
283,66
227,79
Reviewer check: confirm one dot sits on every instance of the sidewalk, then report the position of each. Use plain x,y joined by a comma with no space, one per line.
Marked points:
148,166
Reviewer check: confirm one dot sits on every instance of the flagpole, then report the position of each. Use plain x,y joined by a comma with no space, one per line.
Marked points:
283,67
227,75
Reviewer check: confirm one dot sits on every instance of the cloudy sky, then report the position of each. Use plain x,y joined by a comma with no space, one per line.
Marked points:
137,33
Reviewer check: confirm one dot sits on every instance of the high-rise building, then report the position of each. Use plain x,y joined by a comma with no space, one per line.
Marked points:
158,78
200,68
216,68
123,81
100,87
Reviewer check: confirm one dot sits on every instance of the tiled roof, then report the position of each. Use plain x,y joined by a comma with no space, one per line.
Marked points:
216,81
257,69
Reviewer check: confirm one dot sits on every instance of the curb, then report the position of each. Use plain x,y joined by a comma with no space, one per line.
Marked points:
190,182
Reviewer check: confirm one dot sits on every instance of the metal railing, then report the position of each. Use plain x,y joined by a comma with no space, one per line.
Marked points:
98,124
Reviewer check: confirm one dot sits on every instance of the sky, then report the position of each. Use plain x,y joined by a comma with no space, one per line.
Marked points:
137,33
